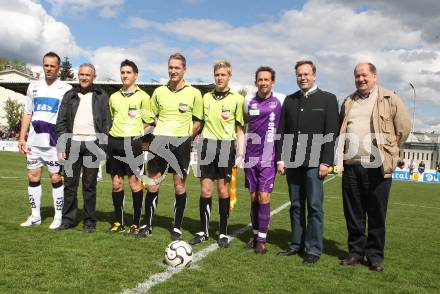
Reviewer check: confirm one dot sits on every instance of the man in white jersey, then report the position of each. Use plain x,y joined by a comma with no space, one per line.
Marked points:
39,118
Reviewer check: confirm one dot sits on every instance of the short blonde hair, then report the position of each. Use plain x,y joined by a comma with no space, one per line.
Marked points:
223,64
178,56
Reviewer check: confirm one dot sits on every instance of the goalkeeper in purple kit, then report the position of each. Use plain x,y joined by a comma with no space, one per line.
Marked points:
263,112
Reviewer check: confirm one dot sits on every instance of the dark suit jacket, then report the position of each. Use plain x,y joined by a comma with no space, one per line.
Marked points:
314,124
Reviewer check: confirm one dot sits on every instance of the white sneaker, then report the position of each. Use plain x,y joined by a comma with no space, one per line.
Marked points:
55,223
31,221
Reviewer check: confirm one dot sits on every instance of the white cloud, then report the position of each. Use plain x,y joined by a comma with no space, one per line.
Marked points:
107,8
335,36
421,15
28,32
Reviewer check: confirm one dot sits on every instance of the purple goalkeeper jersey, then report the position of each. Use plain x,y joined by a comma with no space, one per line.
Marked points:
263,120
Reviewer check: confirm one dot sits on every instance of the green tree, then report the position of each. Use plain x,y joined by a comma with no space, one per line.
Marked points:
13,110
66,72
14,63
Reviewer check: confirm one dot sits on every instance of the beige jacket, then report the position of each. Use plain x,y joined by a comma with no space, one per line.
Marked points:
391,125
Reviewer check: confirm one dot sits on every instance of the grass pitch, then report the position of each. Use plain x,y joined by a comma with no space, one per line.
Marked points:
38,260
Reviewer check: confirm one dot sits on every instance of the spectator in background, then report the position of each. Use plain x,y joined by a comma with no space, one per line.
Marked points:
421,167
411,167
400,163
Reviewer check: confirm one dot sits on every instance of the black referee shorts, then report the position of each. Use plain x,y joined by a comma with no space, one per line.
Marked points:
166,152
124,166
216,158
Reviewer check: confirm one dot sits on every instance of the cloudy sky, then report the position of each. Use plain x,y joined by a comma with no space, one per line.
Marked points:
402,37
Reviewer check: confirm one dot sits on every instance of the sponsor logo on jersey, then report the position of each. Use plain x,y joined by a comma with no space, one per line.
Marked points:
46,104
253,112
271,128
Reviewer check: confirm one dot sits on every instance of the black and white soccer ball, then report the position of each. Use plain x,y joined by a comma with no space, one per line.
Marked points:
178,254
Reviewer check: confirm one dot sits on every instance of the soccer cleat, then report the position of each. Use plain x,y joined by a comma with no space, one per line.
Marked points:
260,248
223,241
176,234
144,232
252,243
116,228
55,223
89,228
132,232
200,237
31,221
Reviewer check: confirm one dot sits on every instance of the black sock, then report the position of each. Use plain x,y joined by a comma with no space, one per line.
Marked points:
137,206
151,200
223,210
205,213
118,203
179,208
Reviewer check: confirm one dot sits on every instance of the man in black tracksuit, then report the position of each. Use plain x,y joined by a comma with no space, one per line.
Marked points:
83,122
308,127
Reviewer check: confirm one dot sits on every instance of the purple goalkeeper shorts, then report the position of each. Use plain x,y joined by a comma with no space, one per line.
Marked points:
260,179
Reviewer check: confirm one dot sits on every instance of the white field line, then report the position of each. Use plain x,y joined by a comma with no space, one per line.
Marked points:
170,272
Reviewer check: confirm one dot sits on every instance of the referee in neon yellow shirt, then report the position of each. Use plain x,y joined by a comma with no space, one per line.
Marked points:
131,114
223,126
178,110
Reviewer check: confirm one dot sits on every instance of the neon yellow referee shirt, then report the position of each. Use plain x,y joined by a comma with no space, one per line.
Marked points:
220,116
174,110
129,113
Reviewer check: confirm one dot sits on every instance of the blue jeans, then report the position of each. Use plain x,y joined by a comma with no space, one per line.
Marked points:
305,186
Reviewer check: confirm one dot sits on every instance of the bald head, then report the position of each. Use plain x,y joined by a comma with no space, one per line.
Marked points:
365,77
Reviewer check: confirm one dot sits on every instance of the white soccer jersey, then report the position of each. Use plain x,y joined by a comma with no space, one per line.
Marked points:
42,103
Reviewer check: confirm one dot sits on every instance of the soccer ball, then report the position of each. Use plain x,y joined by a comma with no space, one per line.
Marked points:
178,254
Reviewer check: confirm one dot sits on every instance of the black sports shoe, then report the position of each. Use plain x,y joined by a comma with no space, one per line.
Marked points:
310,259
144,232
132,232
260,248
89,228
252,243
116,228
176,234
64,226
199,238
223,241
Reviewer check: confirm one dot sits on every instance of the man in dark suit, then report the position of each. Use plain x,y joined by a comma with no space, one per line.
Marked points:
83,122
309,125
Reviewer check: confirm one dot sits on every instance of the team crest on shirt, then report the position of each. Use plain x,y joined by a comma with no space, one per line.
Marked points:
254,106
226,113
272,105
183,107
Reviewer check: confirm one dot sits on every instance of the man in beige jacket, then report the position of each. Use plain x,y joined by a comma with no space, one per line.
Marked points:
374,123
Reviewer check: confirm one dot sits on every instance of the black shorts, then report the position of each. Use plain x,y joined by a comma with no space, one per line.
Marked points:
217,160
124,166
167,153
